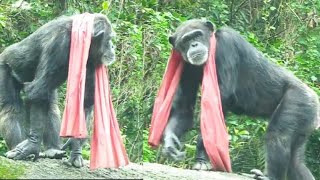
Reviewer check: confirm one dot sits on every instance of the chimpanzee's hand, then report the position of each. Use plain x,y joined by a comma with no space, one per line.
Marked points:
172,147
29,90
32,91
53,154
23,150
75,159
259,175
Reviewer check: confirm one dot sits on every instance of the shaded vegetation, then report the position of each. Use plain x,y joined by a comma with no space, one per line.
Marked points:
10,170
287,32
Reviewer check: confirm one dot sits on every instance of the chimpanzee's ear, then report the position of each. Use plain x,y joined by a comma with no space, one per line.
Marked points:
98,35
210,25
172,40
98,38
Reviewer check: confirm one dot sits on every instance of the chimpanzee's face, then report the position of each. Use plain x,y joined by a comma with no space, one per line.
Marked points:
192,39
108,56
102,48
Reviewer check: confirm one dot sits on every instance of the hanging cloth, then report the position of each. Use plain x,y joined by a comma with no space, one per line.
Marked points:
212,124
107,149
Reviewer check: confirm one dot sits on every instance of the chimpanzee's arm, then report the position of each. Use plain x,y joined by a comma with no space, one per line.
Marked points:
181,116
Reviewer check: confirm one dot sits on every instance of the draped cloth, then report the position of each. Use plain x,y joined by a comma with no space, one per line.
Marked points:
107,149
212,124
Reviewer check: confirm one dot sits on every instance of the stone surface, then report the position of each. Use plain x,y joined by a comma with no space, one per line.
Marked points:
55,169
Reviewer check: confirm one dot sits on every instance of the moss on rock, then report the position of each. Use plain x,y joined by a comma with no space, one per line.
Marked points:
10,169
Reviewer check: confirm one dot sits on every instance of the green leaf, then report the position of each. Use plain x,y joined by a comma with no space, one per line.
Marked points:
244,132
105,5
313,78
3,24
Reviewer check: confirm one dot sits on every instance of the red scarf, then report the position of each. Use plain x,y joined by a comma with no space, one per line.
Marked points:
107,149
213,128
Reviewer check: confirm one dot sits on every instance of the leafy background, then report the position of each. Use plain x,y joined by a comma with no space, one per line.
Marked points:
287,32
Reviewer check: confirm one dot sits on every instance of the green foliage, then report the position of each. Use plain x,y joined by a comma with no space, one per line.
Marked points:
86,152
246,146
313,153
9,170
148,154
3,147
286,32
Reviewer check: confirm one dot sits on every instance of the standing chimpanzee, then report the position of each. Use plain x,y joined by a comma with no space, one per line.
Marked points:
38,65
251,85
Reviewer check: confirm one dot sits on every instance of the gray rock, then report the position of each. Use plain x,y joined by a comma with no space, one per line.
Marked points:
55,169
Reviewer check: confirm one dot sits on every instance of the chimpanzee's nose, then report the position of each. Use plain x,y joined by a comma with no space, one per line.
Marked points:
194,44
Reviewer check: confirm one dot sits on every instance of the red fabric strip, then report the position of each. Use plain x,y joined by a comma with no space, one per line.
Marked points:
163,102
213,128
107,149
73,121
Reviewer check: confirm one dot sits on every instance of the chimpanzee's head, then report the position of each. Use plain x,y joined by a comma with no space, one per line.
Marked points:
102,48
192,39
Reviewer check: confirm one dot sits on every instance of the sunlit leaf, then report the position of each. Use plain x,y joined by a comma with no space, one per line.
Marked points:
105,5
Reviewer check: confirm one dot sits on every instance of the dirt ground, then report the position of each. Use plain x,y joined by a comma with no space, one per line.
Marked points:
55,169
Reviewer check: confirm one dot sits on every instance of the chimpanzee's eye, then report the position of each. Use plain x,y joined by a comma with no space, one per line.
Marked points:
197,36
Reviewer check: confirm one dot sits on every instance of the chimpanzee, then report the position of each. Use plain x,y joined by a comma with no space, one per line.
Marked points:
37,66
250,85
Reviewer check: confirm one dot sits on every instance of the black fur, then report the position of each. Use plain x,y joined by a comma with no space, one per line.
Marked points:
251,85
37,66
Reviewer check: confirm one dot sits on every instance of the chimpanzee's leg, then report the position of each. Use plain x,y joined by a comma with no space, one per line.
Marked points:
297,169
202,161
51,139
76,144
12,112
38,113
48,77
288,129
308,115
181,116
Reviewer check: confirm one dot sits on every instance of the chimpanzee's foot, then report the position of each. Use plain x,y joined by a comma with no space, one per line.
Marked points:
23,150
172,147
75,158
259,175
202,165
53,154
174,153
202,161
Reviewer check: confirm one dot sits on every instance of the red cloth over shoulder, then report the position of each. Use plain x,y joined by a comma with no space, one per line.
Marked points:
213,128
162,105
107,149
73,121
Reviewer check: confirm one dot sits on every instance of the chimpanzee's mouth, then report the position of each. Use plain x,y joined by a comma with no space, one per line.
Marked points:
108,60
198,58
